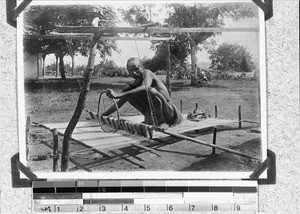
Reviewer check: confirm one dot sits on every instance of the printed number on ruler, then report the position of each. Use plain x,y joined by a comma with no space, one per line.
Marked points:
170,207
215,207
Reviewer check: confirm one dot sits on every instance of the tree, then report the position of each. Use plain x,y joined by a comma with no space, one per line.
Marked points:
41,20
204,15
190,15
244,65
232,57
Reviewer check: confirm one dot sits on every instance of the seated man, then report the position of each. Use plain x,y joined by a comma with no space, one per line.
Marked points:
146,86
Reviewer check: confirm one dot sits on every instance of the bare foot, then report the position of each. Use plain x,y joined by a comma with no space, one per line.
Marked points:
164,126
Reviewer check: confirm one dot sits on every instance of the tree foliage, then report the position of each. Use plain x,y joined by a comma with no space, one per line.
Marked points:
137,14
232,57
42,20
203,16
196,15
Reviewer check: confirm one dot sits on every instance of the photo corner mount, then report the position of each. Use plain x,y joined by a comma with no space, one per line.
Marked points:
16,168
270,165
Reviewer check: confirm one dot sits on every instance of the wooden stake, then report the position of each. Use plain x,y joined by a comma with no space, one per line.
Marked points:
180,106
240,116
216,111
28,124
55,150
214,140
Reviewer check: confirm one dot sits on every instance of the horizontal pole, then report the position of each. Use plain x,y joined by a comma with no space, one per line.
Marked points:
135,30
193,140
206,144
88,37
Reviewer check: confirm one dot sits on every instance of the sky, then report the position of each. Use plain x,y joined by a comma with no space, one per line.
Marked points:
142,48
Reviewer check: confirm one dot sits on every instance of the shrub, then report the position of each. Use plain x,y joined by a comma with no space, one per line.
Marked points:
232,57
108,68
155,64
180,72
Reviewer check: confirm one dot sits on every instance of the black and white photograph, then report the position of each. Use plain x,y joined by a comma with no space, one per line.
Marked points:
142,90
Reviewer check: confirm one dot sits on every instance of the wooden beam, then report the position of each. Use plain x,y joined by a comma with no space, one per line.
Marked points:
88,37
136,30
149,24
180,136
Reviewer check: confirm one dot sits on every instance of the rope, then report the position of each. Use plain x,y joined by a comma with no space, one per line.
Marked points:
151,105
137,49
101,120
149,98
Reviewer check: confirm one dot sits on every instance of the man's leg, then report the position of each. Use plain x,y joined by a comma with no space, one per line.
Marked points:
167,109
139,101
164,111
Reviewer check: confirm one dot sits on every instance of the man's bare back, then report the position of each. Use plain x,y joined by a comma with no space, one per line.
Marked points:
137,94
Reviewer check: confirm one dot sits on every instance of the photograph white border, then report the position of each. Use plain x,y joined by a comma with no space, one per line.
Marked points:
139,174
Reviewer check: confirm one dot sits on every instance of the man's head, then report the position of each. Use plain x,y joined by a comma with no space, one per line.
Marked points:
133,66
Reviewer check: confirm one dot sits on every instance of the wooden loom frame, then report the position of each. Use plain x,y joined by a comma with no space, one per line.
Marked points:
107,29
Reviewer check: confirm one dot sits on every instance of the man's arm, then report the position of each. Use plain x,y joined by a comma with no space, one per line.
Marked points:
113,108
147,81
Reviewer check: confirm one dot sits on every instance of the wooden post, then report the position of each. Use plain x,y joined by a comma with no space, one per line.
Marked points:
216,111
55,150
80,103
196,105
214,141
240,116
180,106
28,124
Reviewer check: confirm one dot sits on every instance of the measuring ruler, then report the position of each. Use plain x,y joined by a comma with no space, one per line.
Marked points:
134,196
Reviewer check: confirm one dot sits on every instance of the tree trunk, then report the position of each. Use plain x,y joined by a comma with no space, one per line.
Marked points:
43,65
168,76
73,65
37,66
61,67
57,65
194,73
80,103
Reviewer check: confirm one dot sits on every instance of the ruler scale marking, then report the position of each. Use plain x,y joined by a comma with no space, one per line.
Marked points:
131,196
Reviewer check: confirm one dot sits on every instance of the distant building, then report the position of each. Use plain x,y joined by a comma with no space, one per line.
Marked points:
32,66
